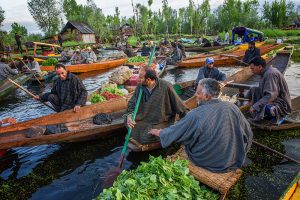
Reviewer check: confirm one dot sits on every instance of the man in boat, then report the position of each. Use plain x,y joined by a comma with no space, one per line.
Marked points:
176,55
68,91
198,41
78,57
158,107
34,65
5,70
8,120
251,52
18,41
271,100
181,47
226,39
209,71
216,135
129,51
145,50
90,55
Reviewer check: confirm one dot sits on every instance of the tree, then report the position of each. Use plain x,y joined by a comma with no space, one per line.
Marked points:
19,29
1,16
46,15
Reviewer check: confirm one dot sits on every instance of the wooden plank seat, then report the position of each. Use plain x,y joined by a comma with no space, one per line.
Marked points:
137,147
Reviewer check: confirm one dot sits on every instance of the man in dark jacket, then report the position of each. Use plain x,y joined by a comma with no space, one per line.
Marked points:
251,52
68,92
145,50
18,41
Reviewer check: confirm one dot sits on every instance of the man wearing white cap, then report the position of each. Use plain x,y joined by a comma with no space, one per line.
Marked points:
209,71
90,55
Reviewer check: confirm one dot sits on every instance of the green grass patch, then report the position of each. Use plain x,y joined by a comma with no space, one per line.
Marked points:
280,33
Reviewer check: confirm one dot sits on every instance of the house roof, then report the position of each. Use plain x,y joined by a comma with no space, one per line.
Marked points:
81,27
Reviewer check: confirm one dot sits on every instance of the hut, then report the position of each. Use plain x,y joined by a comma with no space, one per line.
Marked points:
78,31
126,31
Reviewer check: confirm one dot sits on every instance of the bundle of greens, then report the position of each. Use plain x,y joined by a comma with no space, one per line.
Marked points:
113,89
158,179
110,91
50,62
96,98
136,59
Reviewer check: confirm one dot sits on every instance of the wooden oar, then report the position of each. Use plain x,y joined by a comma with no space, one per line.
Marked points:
29,93
235,58
33,73
276,152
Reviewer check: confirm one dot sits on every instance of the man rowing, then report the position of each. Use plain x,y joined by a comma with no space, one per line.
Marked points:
158,107
68,91
251,52
209,71
216,135
271,99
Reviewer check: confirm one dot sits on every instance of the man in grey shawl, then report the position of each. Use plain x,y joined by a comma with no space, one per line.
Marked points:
216,135
158,107
271,100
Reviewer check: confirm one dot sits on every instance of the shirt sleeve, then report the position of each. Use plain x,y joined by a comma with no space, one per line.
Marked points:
181,132
200,76
270,92
10,70
177,104
81,92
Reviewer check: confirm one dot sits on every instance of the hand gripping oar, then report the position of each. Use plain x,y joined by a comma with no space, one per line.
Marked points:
114,172
29,93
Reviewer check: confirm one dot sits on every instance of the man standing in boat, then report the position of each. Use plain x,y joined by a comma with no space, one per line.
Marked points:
5,70
209,71
251,52
271,100
67,93
158,107
216,135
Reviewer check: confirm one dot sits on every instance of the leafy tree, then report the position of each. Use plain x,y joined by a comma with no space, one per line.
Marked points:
46,15
19,29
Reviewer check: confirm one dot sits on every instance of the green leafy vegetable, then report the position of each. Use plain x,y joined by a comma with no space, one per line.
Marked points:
113,89
96,98
50,62
136,59
158,179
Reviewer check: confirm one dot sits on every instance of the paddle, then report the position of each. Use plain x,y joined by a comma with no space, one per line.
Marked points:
276,152
29,93
114,172
235,58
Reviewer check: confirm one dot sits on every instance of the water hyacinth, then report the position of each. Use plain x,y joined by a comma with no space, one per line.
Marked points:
158,179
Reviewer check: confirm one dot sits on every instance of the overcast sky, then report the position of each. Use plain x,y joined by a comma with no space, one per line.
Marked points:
17,11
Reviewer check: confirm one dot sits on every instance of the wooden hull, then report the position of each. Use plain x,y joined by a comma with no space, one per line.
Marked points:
81,68
222,60
79,125
7,87
203,49
293,191
135,146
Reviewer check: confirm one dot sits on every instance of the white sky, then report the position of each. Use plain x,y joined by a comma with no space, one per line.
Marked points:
17,11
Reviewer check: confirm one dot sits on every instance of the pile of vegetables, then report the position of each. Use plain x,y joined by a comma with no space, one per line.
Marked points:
107,93
158,179
136,59
50,62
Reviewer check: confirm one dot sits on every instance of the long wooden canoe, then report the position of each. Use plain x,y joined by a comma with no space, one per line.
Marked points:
79,126
228,59
6,86
293,191
203,49
80,68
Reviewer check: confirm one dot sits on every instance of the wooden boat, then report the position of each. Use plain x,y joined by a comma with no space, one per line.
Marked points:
226,59
293,190
137,147
221,182
6,86
80,68
48,50
78,126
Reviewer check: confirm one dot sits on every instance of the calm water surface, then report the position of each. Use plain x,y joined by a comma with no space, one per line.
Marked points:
75,171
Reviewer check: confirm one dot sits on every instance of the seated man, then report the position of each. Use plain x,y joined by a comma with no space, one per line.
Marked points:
216,135
78,57
145,50
68,91
33,65
5,70
272,98
158,107
209,71
176,55
129,51
251,52
90,55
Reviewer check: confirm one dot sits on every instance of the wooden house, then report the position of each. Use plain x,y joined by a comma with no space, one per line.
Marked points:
78,31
